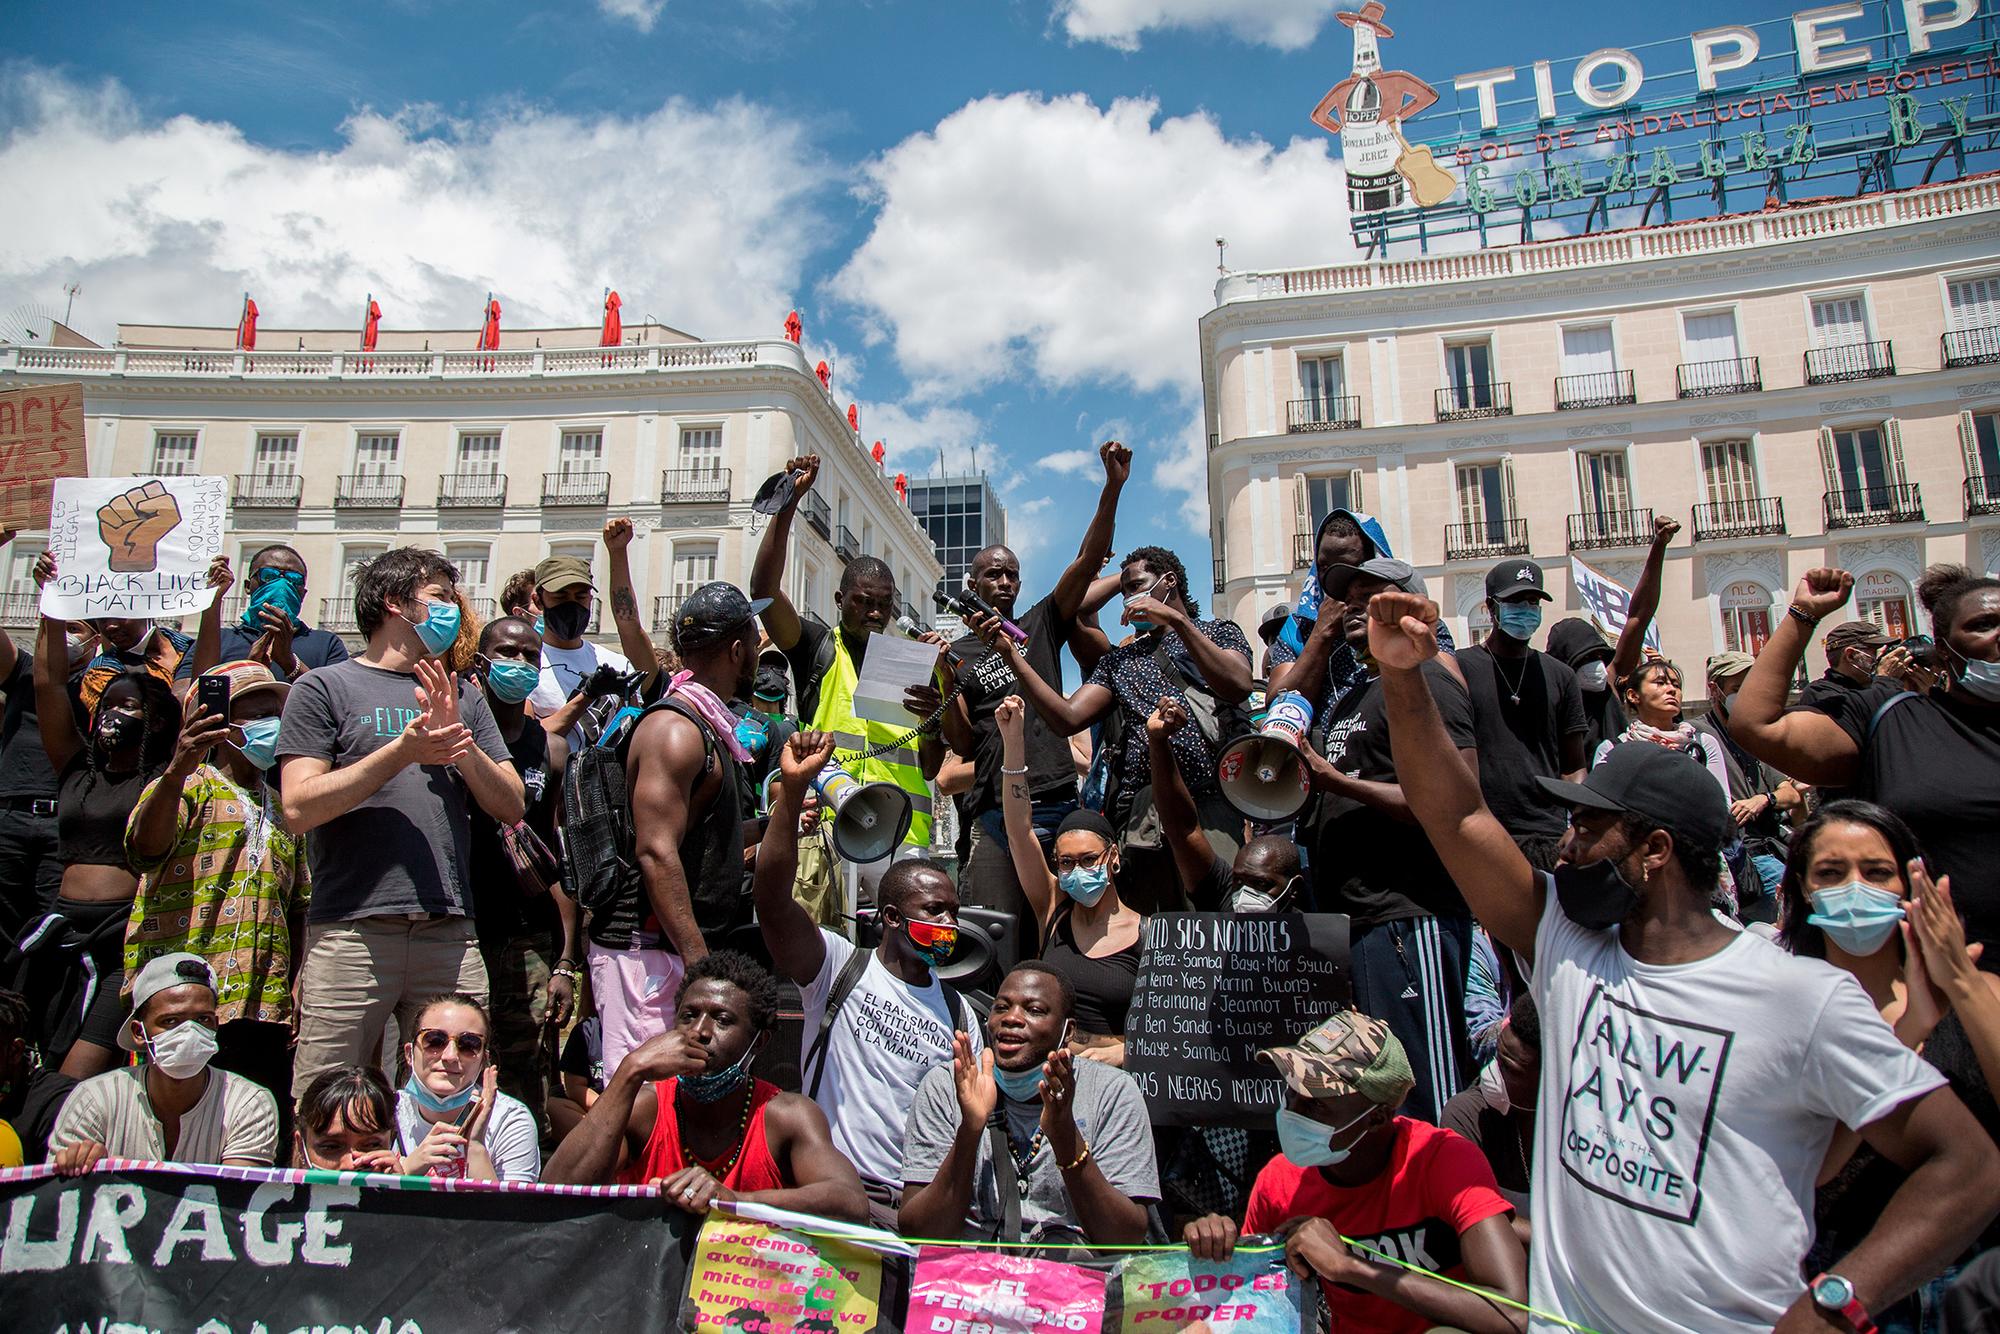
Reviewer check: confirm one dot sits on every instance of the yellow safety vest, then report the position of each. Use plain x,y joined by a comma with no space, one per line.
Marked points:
852,735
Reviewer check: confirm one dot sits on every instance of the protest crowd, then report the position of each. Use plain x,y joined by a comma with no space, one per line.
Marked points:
1641,1021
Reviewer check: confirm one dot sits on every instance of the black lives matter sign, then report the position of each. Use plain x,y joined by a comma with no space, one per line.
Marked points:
1213,989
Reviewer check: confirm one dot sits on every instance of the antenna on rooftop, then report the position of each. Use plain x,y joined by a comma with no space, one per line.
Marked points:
1221,248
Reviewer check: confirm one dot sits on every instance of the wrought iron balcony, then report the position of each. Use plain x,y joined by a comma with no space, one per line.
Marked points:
664,609
469,490
1218,577
1302,551
1322,414
1488,539
1849,361
337,615
20,609
1982,494
1972,347
1595,389
369,491
1470,402
274,492
1756,516
1874,506
695,486
818,515
1711,379
844,545
576,488
1598,530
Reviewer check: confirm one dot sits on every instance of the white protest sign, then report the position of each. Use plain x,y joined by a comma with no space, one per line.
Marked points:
133,546
1608,602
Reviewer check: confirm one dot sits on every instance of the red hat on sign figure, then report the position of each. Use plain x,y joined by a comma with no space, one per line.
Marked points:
825,375
795,327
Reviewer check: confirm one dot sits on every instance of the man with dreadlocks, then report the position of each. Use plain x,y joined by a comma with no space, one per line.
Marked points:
1173,654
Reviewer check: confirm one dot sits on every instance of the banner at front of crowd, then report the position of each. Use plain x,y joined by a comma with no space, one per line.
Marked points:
787,1280
135,547
234,1250
973,1292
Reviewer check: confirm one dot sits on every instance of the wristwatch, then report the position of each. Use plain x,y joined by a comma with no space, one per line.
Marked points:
1831,1292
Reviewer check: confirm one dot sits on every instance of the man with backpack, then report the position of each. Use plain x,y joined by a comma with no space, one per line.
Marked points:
876,1021
667,865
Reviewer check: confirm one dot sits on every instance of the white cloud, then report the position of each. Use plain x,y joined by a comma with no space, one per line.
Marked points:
1076,244
171,220
1289,25
1076,462
641,14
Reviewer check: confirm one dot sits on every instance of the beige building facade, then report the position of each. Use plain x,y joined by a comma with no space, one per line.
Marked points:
1816,384
497,458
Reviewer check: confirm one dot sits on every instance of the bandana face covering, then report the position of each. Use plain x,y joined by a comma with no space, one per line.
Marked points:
719,1084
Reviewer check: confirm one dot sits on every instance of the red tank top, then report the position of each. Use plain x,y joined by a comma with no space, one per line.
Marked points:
754,1170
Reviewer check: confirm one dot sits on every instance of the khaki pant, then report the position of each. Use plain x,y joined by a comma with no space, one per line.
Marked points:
356,975
517,973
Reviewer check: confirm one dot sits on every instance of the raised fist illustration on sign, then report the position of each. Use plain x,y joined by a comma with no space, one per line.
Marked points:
133,524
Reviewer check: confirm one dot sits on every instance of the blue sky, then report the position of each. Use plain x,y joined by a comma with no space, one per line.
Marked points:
998,217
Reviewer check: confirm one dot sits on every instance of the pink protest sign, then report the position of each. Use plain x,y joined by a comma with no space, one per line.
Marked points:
971,1292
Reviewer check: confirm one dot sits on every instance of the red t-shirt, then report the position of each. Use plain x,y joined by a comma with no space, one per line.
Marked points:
1436,1186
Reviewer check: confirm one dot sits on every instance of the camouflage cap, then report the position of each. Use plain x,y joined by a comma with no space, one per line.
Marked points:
1347,1053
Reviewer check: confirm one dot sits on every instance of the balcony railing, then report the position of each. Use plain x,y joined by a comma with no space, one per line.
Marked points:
348,365
1218,577
818,515
1972,347
1849,361
369,491
1457,403
471,490
337,615
844,545
1597,530
1322,414
664,609
254,492
1711,379
1756,516
699,486
576,488
1595,389
1489,538
1302,551
1873,506
1982,494
20,609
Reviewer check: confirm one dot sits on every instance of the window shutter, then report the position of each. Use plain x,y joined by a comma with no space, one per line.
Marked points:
1968,443
1302,522
1354,491
1507,487
1828,461
1892,437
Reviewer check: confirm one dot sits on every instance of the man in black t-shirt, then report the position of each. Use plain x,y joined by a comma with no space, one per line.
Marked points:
985,679
1527,714
1409,934
1851,653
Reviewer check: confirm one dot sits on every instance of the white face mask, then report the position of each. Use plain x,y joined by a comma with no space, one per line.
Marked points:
183,1051
1594,675
1493,1088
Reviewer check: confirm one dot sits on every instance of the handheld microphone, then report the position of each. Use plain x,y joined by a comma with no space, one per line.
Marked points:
908,627
968,603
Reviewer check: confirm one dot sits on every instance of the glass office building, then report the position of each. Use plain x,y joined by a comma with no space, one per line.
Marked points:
962,515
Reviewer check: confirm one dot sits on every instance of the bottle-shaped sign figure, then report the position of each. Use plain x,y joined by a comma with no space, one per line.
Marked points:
1366,109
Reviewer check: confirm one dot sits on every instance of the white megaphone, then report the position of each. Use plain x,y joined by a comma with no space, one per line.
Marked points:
869,819
1263,774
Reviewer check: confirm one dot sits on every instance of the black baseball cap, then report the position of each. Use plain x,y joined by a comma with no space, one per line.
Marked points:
771,684
712,612
1668,789
1389,570
1515,577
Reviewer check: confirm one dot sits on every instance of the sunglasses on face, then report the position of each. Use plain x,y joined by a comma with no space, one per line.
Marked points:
1089,861
433,1041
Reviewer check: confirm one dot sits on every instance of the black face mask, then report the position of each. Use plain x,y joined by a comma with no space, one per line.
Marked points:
1595,896
119,729
566,620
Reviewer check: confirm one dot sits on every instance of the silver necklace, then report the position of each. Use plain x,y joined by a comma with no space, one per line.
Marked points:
1514,686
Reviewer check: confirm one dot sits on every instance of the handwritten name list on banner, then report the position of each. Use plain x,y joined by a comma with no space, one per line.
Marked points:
1214,988
134,546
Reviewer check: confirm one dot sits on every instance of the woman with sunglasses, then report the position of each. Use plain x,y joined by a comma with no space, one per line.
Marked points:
1856,894
451,1118
1090,936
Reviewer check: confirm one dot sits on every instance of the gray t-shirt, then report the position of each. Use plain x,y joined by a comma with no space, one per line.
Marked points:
1110,1117
405,847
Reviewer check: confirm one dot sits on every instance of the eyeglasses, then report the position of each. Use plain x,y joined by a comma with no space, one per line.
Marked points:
435,1040
1090,861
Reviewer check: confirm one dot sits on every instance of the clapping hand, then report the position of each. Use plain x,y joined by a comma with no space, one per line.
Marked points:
972,1073
1402,630
436,736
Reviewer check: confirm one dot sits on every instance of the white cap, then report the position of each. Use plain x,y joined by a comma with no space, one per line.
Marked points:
164,974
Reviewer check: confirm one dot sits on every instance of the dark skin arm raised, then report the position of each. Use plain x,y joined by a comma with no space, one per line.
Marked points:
767,572
1065,716
1073,585
667,784
1804,743
1302,672
1180,821
633,641
797,950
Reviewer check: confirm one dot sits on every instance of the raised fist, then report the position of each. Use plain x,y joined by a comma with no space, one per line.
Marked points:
133,524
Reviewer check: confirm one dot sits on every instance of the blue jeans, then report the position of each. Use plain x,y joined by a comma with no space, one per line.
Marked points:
1044,815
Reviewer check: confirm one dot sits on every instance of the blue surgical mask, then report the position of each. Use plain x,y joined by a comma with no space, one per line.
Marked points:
431,1102
511,682
1308,1143
1020,1085
541,622
719,1084
281,590
260,741
1858,917
439,628
1981,680
1086,884
1520,620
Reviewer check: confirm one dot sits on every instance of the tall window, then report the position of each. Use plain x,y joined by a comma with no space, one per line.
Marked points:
1975,303
694,565
474,564
375,454
1486,499
1979,435
1728,474
21,557
1322,384
277,457
1469,371
701,451
867,537
339,608
1838,321
479,454
1746,617
173,453
1586,350
1862,464
809,590
1603,485
1711,336
842,512
1883,597
580,453
1324,495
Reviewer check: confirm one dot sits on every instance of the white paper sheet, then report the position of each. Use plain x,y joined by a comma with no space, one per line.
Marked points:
893,664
